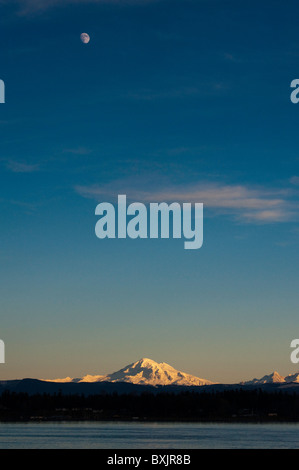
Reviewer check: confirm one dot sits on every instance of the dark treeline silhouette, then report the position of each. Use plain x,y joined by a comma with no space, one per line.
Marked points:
233,405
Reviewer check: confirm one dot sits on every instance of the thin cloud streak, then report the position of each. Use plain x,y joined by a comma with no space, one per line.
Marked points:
205,89
19,167
29,7
240,202
78,151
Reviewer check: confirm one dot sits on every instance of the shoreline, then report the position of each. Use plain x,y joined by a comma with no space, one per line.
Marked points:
51,419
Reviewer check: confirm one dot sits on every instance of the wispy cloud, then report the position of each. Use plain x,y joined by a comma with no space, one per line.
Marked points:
230,57
243,203
205,89
29,7
20,167
78,151
29,208
149,94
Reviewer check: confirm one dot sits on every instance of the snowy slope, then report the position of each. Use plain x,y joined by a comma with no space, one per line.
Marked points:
143,372
292,378
267,379
148,372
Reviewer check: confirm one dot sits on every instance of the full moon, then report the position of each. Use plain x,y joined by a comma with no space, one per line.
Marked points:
85,38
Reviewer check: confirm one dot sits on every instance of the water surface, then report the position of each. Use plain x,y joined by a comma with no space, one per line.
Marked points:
117,435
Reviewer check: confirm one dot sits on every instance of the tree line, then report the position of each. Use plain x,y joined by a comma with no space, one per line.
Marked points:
223,406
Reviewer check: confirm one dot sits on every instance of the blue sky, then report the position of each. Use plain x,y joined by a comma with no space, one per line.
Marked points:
170,100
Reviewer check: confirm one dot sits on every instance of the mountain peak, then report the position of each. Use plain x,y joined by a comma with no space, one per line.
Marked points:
145,361
275,377
145,372
292,378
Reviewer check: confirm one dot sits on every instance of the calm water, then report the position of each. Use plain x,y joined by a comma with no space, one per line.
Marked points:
151,436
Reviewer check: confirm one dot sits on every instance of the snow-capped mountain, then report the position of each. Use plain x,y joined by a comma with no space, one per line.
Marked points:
143,372
267,379
148,372
292,378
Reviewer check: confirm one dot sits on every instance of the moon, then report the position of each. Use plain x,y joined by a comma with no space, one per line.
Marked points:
85,38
